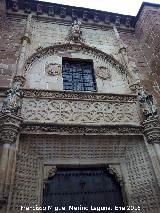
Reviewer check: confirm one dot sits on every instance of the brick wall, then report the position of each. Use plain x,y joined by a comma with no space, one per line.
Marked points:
148,34
10,40
143,48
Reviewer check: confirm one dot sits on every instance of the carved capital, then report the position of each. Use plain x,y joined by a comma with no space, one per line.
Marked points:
151,127
10,126
115,170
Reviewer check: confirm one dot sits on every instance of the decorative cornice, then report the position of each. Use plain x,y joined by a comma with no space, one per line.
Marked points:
34,128
52,9
67,95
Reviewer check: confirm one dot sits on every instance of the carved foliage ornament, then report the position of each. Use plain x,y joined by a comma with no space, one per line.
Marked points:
62,111
103,73
53,69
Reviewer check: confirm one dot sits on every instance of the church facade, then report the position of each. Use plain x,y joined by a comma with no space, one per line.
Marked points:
79,100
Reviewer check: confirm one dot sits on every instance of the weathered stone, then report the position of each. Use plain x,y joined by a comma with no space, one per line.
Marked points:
78,128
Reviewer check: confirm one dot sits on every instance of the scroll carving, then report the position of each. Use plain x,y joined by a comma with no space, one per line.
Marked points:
65,111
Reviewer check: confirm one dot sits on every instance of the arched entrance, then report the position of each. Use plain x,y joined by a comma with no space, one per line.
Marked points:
82,190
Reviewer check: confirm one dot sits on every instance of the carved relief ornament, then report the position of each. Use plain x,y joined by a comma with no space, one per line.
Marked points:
75,32
103,73
80,130
53,69
151,129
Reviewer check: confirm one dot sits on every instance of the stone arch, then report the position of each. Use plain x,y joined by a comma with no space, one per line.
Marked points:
42,52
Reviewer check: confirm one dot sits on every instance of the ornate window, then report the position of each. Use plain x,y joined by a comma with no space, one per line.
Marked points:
78,75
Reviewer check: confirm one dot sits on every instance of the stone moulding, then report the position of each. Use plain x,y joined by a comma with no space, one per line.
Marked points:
34,128
47,9
77,47
92,96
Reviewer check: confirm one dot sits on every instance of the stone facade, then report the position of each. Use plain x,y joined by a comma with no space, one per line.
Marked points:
43,127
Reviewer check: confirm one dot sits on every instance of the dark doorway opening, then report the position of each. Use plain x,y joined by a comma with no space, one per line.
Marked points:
74,189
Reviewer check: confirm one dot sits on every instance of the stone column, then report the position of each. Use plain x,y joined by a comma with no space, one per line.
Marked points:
26,40
10,126
10,122
151,127
134,84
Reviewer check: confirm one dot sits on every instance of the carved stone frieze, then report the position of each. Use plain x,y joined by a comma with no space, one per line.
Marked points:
80,130
103,73
28,93
53,69
79,112
78,95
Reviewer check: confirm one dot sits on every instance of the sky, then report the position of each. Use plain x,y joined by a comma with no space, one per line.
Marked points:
126,7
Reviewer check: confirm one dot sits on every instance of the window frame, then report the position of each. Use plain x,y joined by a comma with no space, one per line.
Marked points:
80,61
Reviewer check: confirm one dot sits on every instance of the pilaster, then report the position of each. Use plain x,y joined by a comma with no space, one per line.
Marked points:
151,130
10,127
25,42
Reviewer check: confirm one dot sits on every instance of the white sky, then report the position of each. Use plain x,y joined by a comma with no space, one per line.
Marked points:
126,7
